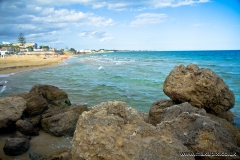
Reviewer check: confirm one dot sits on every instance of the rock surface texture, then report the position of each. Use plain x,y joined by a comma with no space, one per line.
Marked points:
16,146
11,110
60,122
26,128
202,88
113,130
52,94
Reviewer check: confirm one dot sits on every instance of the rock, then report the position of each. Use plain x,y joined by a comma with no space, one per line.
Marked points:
36,121
35,156
16,146
53,95
165,110
36,104
26,127
18,134
61,122
156,110
11,110
228,126
113,130
197,131
202,88
62,154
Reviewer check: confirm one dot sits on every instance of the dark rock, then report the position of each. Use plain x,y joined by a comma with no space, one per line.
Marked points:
35,156
202,88
16,146
11,110
62,121
18,134
53,95
113,130
26,127
36,121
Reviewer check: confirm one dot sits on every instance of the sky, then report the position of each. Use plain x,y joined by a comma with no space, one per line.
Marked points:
123,24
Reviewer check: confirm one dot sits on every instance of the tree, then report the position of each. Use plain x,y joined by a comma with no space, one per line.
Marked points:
21,39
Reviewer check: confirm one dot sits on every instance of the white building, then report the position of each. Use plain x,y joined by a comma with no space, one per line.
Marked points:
8,43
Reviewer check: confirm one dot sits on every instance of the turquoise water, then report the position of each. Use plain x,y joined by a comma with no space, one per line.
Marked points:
134,77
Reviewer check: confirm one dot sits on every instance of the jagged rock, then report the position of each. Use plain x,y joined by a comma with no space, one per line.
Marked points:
156,110
53,95
11,110
62,154
26,128
62,121
165,110
197,131
16,146
228,126
113,130
36,104
202,88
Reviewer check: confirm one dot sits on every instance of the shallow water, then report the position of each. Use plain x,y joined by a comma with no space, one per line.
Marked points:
134,77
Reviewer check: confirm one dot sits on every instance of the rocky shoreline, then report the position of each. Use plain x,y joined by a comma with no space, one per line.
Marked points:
195,124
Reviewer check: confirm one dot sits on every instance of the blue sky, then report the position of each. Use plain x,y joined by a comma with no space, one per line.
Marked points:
123,24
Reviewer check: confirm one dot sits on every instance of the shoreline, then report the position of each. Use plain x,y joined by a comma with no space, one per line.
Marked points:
18,63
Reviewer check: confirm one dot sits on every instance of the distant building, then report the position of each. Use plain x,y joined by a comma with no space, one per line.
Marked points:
33,45
7,43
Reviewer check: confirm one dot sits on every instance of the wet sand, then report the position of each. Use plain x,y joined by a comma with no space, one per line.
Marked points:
43,144
16,63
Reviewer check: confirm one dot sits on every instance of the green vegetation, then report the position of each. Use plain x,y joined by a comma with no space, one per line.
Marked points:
21,39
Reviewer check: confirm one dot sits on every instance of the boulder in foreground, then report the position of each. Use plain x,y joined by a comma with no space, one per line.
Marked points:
202,88
113,130
16,146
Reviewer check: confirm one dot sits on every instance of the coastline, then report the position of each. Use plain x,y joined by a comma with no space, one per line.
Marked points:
17,63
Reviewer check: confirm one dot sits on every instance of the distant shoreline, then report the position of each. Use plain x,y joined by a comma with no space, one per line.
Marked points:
17,63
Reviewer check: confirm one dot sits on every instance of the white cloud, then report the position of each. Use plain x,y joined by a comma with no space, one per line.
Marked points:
146,19
103,36
175,3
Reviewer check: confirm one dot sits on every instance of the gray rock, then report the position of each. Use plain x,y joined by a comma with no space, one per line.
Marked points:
16,146
11,110
202,88
61,121
36,104
26,128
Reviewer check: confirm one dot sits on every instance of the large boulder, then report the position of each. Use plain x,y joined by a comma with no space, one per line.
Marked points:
60,122
194,128
53,95
202,88
26,128
16,146
11,110
113,130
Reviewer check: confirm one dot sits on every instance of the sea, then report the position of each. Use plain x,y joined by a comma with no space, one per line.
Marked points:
133,77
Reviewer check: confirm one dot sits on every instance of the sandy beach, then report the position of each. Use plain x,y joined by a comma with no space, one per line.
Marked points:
16,63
